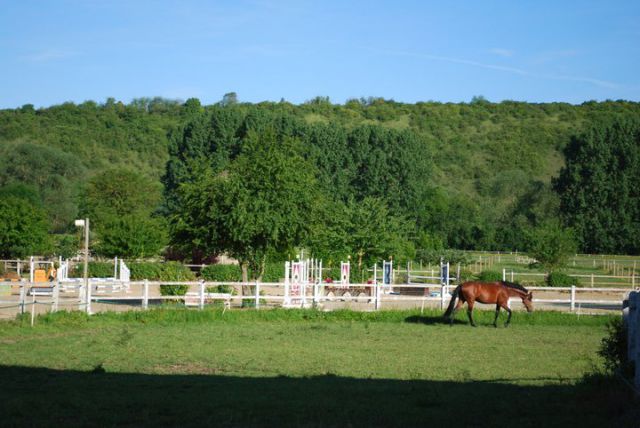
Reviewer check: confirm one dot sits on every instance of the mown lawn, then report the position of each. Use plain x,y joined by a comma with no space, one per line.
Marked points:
304,368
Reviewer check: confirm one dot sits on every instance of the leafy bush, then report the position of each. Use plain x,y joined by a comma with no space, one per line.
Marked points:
613,348
94,270
170,271
150,271
559,279
466,275
174,271
173,290
490,275
221,273
223,288
273,272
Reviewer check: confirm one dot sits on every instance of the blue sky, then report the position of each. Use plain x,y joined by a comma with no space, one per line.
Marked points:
449,51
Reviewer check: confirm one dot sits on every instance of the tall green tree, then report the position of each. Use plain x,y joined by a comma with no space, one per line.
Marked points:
23,229
598,187
121,205
260,205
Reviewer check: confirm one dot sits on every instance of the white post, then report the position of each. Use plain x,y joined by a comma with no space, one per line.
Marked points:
315,293
22,298
82,292
504,274
115,268
88,296
378,295
56,295
511,275
145,295
375,273
257,295
201,305
287,272
443,290
573,298
33,306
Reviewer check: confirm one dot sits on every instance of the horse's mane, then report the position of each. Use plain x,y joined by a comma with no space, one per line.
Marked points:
514,285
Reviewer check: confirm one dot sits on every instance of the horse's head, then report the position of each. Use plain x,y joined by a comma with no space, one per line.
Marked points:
528,301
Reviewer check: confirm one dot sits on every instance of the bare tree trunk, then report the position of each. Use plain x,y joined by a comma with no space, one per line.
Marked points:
245,290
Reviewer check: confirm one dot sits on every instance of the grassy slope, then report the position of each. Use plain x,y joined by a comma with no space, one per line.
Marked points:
293,367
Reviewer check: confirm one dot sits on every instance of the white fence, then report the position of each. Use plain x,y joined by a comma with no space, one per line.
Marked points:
633,328
21,297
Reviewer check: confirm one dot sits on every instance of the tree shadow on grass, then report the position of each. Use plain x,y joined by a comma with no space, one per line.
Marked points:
46,397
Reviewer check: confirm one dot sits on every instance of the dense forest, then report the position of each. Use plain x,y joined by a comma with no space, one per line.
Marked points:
367,179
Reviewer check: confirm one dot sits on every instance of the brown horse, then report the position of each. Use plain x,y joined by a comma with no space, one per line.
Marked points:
487,292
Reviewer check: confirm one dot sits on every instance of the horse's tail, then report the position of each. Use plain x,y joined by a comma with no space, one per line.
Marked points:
452,303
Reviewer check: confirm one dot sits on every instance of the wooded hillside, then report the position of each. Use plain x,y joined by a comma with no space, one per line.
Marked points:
428,175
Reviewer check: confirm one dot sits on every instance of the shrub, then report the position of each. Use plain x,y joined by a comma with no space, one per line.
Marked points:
150,271
559,279
94,270
221,273
223,288
174,271
490,275
467,275
613,348
170,271
273,272
173,290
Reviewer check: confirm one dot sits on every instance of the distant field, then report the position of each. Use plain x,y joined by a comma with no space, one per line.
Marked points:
608,270
304,368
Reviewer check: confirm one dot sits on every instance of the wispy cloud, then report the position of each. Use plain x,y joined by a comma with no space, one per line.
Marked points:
49,55
501,52
551,56
506,69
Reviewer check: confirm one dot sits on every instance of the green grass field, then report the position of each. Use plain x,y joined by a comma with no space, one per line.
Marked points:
173,367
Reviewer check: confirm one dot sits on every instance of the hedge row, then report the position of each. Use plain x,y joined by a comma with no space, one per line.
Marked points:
169,271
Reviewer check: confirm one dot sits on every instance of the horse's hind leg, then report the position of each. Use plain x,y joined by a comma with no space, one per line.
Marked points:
495,320
453,314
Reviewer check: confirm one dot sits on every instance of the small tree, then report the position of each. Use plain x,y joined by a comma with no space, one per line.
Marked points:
551,245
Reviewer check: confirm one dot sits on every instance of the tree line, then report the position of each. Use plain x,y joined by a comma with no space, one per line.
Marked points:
366,180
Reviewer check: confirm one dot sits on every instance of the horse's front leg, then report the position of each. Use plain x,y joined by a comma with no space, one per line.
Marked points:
509,317
470,312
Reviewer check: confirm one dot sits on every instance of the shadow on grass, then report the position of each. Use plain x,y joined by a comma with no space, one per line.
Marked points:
45,397
432,320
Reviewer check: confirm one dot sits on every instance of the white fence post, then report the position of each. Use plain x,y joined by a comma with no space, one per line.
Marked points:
378,295
56,295
315,291
443,290
201,304
145,295
573,298
257,295
88,294
504,274
22,296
